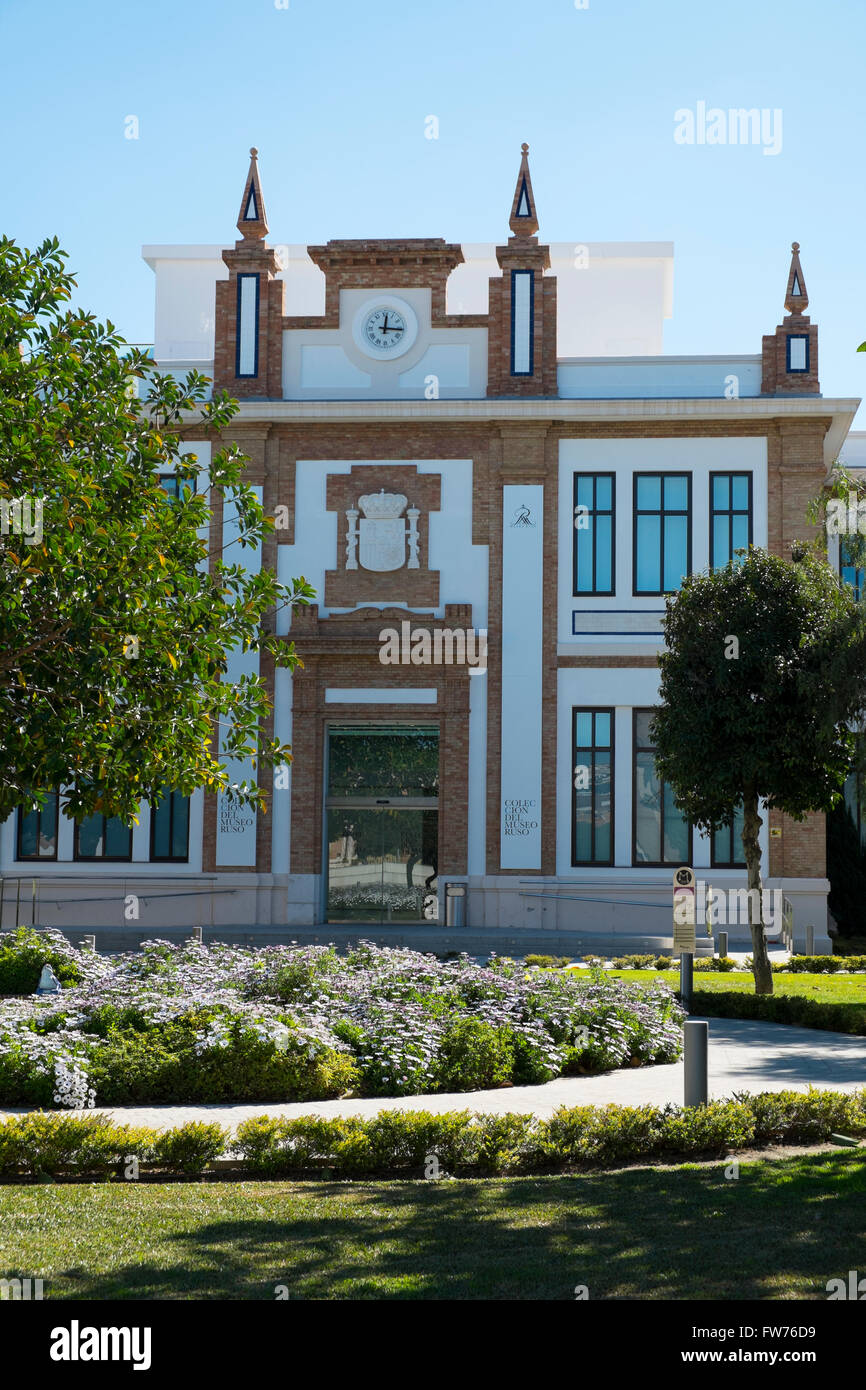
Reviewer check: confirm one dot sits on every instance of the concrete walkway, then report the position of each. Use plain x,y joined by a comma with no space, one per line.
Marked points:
744,1056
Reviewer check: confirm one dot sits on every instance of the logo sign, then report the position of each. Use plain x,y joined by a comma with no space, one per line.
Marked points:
684,911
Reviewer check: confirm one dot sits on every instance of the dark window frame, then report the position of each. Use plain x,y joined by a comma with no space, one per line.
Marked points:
37,858
646,863
247,376
661,514
169,858
594,511
800,338
100,858
531,274
593,710
731,511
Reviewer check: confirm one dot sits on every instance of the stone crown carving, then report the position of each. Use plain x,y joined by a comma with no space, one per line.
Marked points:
382,506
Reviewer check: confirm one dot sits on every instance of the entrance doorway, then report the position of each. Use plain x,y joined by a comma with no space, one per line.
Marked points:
382,811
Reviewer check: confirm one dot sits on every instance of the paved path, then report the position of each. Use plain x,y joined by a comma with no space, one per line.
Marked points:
744,1056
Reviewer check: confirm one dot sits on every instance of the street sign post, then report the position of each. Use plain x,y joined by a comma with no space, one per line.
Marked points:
684,929
684,911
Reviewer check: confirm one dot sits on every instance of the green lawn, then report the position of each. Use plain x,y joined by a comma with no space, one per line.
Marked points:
831,989
780,1230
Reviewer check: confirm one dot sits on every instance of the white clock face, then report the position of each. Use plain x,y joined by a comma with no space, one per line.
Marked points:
385,329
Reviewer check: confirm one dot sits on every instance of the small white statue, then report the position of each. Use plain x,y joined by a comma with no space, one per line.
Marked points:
48,982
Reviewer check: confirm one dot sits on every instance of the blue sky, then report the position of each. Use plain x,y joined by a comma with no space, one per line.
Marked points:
335,94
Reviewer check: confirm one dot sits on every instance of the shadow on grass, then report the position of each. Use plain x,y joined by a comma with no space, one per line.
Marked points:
780,1230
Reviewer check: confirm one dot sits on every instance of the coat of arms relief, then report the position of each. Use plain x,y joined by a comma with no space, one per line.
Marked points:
383,536
380,539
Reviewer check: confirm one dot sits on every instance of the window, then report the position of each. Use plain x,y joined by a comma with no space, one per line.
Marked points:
662,531
661,834
522,318
98,837
797,352
594,542
730,517
247,350
592,782
169,828
37,831
727,844
851,567
170,484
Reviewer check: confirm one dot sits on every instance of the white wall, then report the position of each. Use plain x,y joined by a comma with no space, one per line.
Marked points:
612,297
658,378
327,364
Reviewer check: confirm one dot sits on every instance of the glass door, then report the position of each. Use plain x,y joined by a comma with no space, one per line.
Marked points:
382,824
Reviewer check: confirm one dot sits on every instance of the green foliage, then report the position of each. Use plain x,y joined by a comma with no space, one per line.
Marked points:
475,1056
841,1017
721,964
107,611
713,1128
402,1142
795,1117
647,962
531,1065
162,1066
821,965
54,1145
547,962
190,1148
24,952
295,979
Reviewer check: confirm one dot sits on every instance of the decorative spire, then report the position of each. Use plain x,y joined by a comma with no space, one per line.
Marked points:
524,219
796,298
252,220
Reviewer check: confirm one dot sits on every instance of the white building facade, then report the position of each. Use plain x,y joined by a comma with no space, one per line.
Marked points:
491,475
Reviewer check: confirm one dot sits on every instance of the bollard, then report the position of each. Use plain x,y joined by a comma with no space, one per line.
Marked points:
696,1034
196,933
723,943
686,979
810,939
88,943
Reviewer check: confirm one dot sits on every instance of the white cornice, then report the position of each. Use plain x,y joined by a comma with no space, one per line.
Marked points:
549,410
554,412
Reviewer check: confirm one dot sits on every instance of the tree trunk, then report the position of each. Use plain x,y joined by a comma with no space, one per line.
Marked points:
751,827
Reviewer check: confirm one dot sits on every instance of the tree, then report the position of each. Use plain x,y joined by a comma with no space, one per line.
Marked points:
115,623
764,669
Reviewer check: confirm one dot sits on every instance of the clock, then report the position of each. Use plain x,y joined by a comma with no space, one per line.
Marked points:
385,327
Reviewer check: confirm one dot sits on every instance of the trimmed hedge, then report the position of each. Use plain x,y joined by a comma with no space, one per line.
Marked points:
822,965
831,1017
405,1142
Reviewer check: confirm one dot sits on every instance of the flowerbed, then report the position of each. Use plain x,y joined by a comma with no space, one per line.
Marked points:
174,1024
